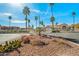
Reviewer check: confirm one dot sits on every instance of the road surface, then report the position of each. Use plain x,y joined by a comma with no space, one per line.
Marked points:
8,37
71,36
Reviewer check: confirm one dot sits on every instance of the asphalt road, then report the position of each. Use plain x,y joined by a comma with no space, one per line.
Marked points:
70,36
9,37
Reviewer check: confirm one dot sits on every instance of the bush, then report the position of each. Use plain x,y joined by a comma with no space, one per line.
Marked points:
2,48
25,39
38,43
9,46
54,31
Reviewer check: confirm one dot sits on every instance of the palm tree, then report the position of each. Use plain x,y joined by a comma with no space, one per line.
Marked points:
32,26
39,20
36,18
73,14
9,21
39,28
51,6
42,23
28,22
52,19
56,23
26,12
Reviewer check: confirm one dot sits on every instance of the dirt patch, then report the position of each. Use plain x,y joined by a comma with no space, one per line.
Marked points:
55,47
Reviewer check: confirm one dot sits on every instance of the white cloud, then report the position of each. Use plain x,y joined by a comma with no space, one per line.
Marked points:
16,5
6,14
35,10
17,21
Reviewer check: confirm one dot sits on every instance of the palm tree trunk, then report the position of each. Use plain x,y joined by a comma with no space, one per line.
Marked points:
28,26
39,27
52,15
73,23
52,25
52,10
39,21
26,23
9,23
36,23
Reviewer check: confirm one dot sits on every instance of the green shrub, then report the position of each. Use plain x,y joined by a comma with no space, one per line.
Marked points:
17,44
54,31
6,43
2,48
9,46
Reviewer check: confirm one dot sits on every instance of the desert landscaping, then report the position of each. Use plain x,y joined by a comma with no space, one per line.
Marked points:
34,45
39,29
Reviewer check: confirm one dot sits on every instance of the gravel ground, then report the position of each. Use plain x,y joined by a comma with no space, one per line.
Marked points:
55,47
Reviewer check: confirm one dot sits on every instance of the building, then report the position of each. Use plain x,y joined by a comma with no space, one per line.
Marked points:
48,28
60,27
9,28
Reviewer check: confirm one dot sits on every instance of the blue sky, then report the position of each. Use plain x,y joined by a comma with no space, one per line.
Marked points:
62,13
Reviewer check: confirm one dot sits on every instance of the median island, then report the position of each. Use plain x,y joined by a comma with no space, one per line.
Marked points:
35,45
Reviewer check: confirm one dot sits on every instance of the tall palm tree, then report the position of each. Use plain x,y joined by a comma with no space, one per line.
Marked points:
32,26
56,23
26,12
10,17
52,19
73,14
28,22
36,18
39,28
39,20
42,23
51,6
